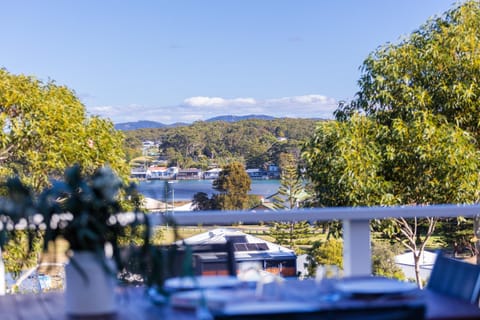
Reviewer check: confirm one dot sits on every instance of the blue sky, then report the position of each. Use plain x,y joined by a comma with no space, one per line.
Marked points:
180,60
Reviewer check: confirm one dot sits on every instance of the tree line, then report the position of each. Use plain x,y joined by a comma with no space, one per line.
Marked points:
253,142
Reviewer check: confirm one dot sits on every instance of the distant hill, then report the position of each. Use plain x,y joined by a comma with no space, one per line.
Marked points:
145,124
230,118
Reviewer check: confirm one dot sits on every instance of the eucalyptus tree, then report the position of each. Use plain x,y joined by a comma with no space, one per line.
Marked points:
430,161
343,160
427,160
45,129
435,69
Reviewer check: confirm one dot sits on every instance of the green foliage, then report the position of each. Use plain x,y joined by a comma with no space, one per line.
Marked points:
344,163
457,233
202,202
383,260
359,162
287,233
328,252
21,252
46,129
431,161
436,68
234,196
424,87
424,161
18,208
234,184
290,195
408,149
422,93
253,201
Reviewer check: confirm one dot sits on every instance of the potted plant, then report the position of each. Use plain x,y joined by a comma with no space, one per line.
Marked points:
87,212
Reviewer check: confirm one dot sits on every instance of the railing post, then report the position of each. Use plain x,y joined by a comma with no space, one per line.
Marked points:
357,259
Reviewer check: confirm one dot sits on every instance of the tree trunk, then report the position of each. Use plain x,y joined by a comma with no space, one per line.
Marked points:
416,261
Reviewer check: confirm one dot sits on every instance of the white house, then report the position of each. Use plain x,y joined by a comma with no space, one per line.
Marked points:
212,173
156,172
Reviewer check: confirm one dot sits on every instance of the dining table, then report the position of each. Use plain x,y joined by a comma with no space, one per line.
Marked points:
284,299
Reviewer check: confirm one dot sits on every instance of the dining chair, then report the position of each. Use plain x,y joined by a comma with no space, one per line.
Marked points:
455,278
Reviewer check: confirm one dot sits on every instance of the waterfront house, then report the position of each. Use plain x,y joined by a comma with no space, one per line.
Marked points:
273,171
157,172
257,173
212,173
148,144
138,173
189,174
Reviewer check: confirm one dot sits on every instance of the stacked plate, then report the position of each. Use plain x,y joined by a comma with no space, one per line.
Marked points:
371,286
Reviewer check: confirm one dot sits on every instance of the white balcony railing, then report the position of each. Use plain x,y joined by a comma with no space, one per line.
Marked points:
356,225
355,221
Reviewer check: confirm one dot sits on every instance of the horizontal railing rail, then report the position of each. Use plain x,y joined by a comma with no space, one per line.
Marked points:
316,214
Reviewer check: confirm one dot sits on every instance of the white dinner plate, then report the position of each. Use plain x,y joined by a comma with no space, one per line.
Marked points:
374,286
201,282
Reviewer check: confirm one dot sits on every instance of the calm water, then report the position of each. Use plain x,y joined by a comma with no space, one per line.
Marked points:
185,189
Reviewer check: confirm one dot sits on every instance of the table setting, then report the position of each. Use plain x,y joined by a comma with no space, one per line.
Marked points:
271,296
345,298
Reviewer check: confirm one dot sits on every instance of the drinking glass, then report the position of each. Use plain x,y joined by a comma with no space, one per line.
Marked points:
327,271
325,276
250,271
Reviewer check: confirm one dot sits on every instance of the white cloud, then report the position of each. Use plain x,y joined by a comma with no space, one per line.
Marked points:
311,99
217,102
246,101
306,106
118,112
202,108
101,109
